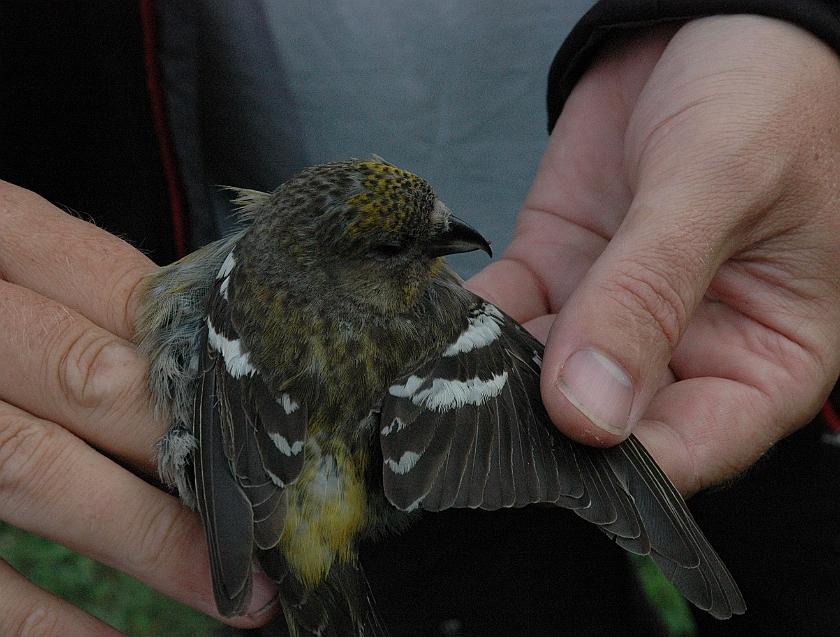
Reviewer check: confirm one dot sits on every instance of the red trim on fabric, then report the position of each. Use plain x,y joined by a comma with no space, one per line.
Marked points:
831,417
167,153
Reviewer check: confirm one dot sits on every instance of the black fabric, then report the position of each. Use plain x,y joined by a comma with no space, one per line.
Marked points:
820,17
777,528
508,573
537,571
75,116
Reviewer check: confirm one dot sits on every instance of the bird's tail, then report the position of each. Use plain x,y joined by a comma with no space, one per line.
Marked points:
670,535
340,606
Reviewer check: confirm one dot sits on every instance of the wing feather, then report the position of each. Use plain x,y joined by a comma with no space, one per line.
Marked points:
250,446
224,508
477,435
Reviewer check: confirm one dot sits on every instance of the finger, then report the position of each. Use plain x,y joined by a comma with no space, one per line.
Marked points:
613,340
69,260
549,254
580,193
512,287
53,484
749,383
26,609
732,425
61,367
708,180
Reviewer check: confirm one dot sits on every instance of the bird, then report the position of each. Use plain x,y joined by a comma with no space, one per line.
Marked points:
326,378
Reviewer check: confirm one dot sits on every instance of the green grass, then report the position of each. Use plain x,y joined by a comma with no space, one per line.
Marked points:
111,596
672,607
139,611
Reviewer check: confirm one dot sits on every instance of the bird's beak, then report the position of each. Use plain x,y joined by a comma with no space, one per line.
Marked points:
456,238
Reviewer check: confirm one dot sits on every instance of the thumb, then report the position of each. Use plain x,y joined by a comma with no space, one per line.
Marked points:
608,350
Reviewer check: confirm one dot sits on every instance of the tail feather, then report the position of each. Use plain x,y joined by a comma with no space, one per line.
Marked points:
678,546
341,605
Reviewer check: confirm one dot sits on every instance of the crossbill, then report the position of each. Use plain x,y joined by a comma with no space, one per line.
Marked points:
326,378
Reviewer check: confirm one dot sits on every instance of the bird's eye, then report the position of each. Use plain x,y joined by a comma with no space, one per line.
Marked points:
389,249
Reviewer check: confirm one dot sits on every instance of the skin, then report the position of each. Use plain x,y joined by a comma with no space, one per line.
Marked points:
684,222
71,376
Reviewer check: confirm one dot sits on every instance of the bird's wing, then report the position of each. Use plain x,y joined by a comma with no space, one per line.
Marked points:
468,429
250,446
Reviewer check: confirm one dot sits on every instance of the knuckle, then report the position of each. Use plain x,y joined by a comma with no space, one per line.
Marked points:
25,453
127,299
91,365
40,620
25,611
161,536
651,300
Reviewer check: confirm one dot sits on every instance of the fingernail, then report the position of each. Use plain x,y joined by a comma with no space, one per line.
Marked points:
599,388
264,594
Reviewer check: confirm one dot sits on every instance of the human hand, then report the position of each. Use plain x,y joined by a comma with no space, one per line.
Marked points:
73,389
684,224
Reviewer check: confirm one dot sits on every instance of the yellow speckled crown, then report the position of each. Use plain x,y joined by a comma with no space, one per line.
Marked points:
388,200
341,208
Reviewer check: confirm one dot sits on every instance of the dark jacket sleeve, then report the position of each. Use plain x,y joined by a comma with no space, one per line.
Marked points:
77,116
820,17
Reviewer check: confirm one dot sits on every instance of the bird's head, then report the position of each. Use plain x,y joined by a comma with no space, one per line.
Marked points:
370,232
